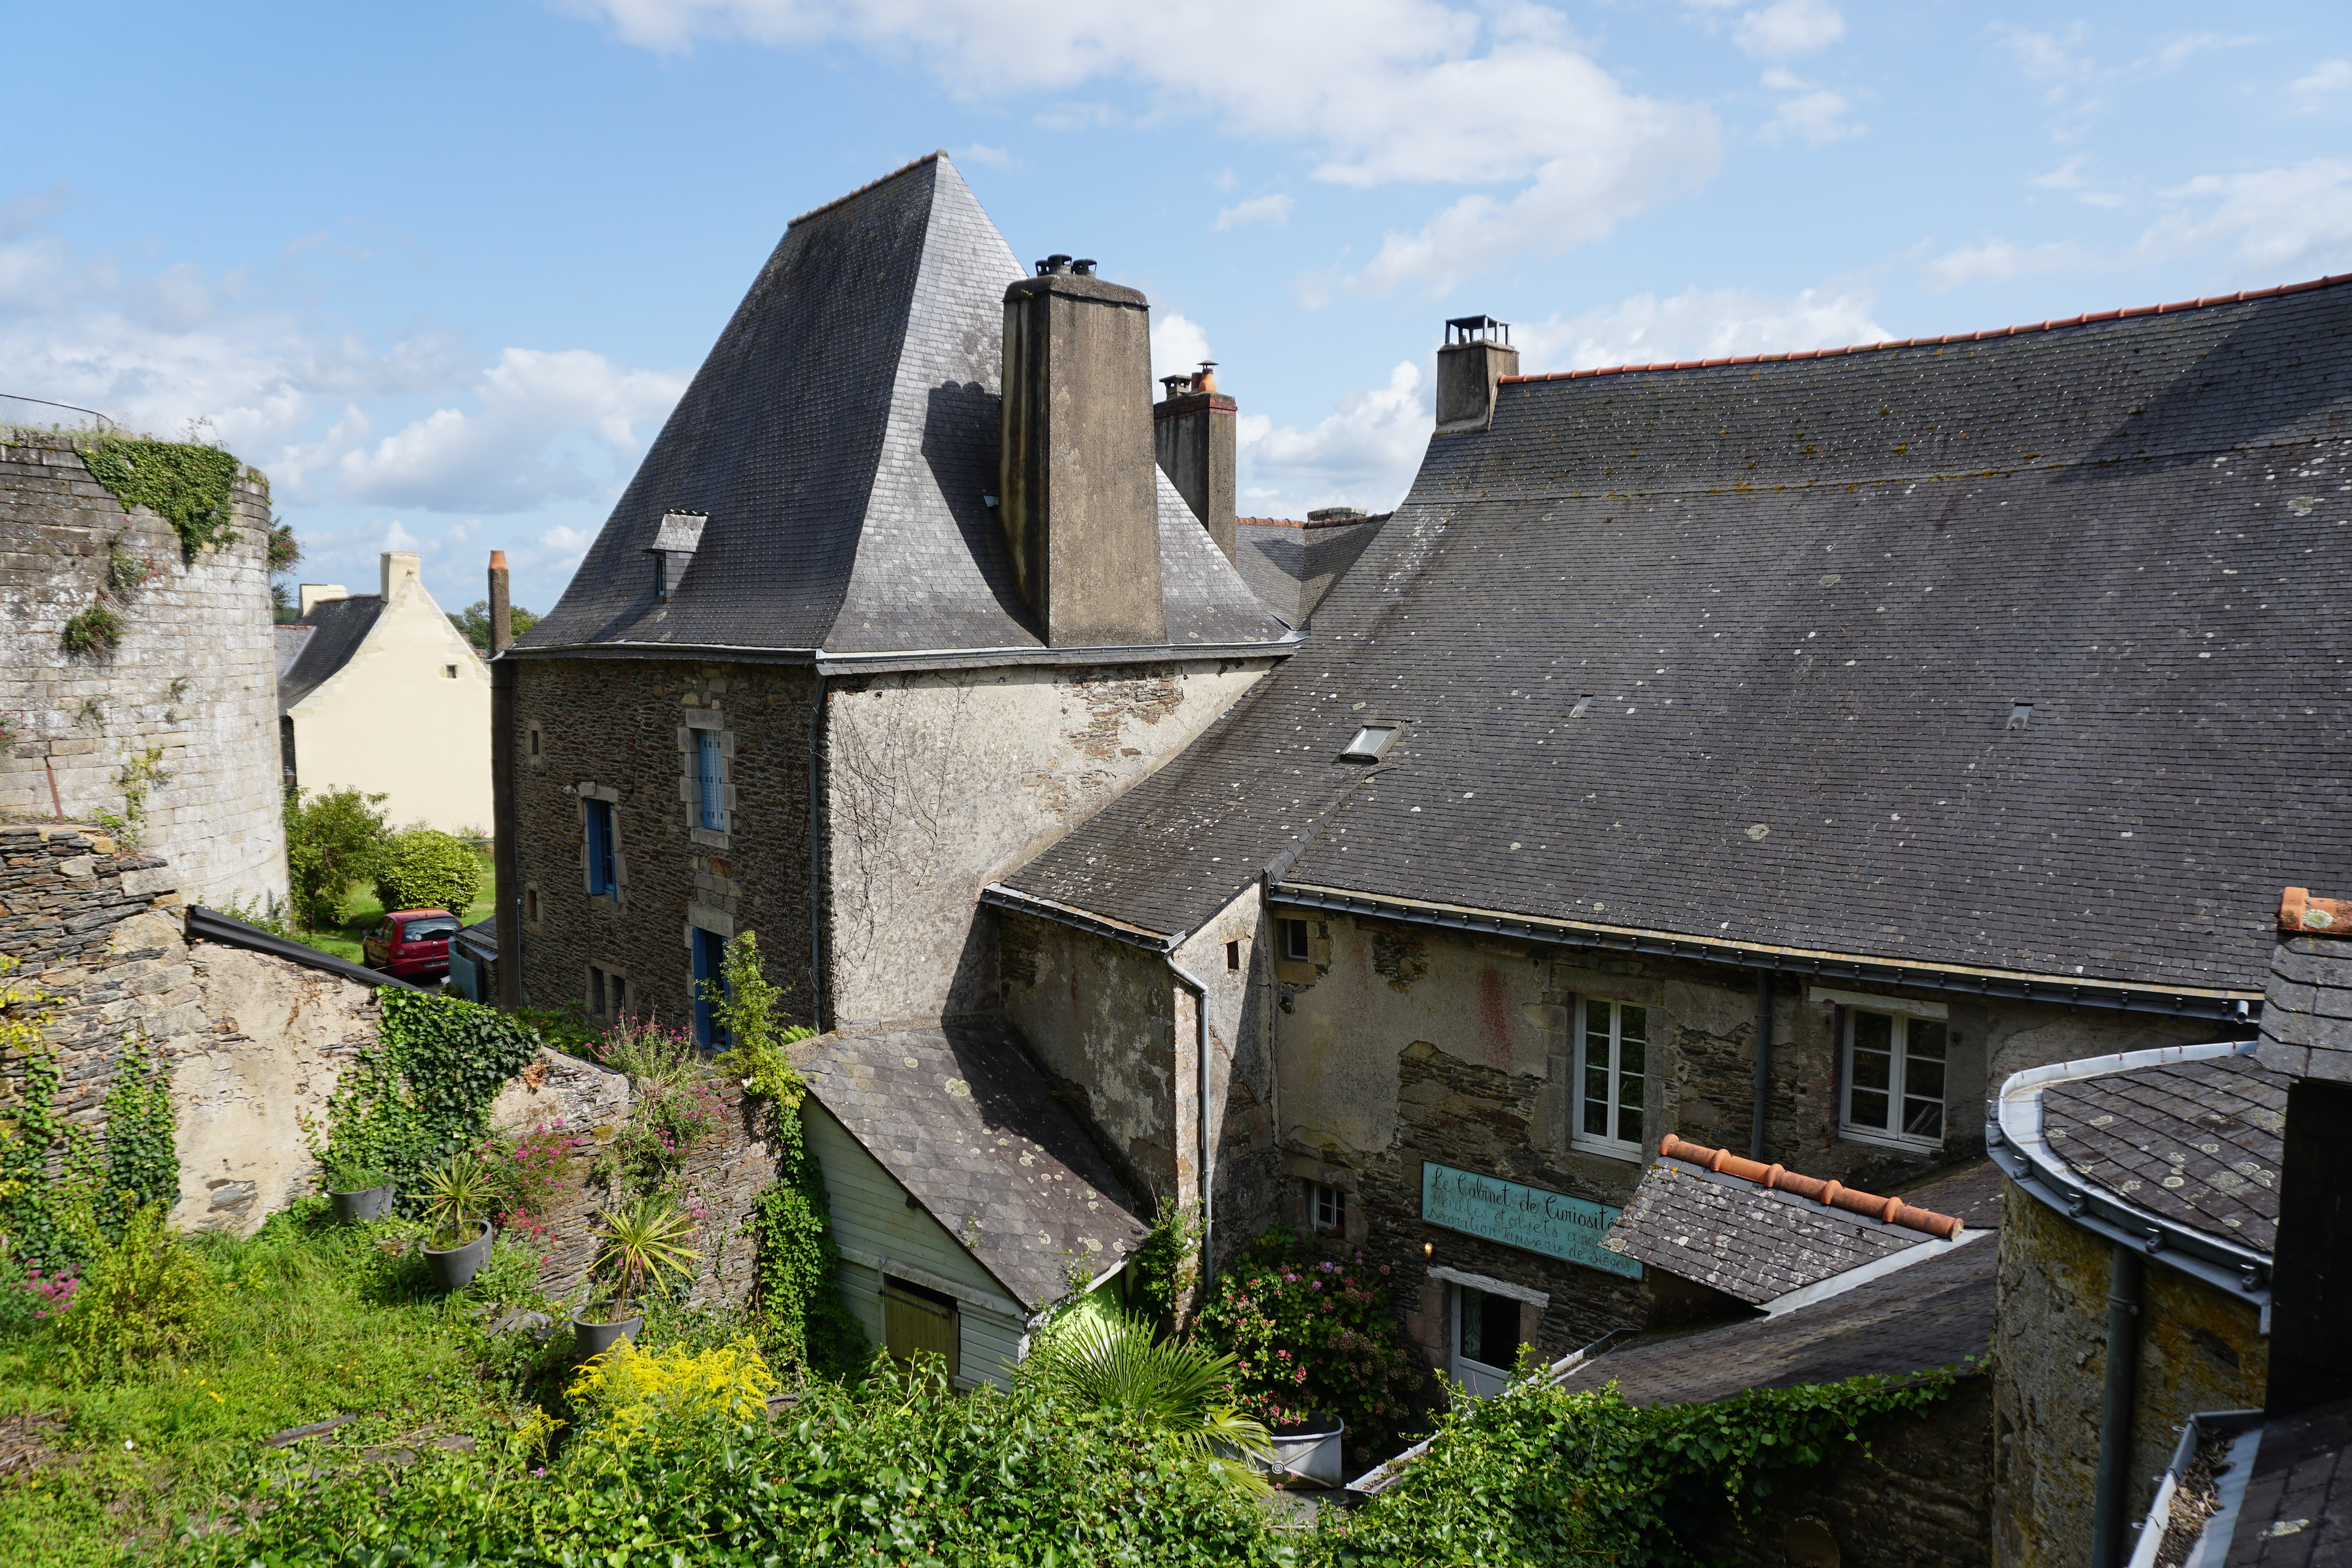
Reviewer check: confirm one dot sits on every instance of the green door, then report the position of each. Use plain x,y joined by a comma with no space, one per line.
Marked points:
915,1319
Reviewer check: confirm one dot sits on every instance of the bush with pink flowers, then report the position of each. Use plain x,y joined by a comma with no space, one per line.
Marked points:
1311,1334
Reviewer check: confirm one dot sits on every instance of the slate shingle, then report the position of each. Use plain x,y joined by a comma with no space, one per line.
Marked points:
1746,1240
2199,1141
337,628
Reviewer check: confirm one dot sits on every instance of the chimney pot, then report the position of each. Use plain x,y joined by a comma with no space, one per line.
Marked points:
1478,351
1053,265
1084,266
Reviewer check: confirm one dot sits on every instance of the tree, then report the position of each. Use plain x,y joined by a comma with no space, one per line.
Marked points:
285,553
473,623
331,840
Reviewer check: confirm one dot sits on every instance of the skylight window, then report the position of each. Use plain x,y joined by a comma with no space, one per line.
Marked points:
1371,743
1583,706
2019,715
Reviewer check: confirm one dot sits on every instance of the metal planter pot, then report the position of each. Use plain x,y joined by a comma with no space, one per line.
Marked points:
1309,1454
368,1203
590,1340
453,1270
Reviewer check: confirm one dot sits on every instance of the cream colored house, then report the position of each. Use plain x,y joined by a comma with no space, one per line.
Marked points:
378,692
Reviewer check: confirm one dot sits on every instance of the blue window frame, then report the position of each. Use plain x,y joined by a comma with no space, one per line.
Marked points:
602,883
710,791
709,975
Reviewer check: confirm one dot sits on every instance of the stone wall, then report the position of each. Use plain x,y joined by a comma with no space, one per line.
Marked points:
2200,1349
622,729
193,678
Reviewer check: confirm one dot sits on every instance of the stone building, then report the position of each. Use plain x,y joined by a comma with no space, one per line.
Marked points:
173,724
379,692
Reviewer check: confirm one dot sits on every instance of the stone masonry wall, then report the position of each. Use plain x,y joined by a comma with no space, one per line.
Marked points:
195,676
619,727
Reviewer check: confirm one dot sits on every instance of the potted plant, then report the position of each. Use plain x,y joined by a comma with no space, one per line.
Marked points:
362,1189
638,1244
457,1200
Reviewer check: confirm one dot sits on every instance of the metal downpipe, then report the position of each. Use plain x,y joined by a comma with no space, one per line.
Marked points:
2109,1546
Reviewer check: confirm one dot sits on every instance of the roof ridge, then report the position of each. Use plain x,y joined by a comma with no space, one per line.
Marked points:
2087,320
933,156
1829,1193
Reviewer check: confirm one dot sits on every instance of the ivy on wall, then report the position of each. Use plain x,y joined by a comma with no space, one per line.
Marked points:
59,1193
188,486
142,1160
423,1091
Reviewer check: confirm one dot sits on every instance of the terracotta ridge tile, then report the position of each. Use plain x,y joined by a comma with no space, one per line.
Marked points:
2088,318
2300,914
1830,1194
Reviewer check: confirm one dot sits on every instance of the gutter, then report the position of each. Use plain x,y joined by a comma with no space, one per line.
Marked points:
2245,1430
922,658
2013,1138
2179,1001
1020,902
211,925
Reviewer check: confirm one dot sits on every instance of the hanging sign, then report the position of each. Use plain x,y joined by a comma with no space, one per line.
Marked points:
1527,1217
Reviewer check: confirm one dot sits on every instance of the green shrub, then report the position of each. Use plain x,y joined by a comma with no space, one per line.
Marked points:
92,629
188,484
423,869
144,1299
332,842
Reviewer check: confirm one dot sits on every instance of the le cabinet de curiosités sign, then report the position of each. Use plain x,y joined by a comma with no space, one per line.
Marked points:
1527,1217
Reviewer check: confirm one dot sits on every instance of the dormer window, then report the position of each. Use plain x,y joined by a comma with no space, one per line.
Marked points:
1371,743
675,543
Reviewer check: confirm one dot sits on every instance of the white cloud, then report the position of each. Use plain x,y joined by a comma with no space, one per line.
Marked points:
2283,225
1788,28
1178,345
1422,91
1363,453
1811,110
1998,261
2318,90
1698,324
1268,209
982,152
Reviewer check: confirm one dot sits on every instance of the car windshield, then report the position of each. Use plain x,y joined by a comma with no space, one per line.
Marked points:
428,930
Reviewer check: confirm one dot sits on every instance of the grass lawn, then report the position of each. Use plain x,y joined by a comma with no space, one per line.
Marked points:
312,1320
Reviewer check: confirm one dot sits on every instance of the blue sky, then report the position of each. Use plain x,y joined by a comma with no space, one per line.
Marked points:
441,268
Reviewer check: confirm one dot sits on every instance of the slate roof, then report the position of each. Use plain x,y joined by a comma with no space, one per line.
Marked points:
2298,1509
1743,1240
959,1117
2307,1009
2198,1142
841,435
338,627
1291,565
1804,597
1933,1315
289,642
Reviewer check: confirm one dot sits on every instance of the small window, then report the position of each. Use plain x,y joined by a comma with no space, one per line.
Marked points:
530,903
619,994
603,881
710,791
710,988
1894,1075
1371,743
2019,715
1613,1074
1486,1338
661,575
1326,1209
1232,955
450,672
1583,706
1294,941
595,991
534,742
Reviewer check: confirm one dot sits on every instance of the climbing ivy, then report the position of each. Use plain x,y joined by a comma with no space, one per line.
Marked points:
423,1091
45,1213
142,1159
797,1264
189,487
141,771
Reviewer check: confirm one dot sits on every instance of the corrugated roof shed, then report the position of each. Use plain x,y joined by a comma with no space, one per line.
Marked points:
1807,597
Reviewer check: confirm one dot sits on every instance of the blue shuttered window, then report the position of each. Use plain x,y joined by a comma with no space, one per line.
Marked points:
709,975
710,791
600,880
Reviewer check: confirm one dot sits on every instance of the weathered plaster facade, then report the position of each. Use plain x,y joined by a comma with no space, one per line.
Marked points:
2200,1349
192,679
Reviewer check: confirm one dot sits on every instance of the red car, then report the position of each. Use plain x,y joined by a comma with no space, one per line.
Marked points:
413,944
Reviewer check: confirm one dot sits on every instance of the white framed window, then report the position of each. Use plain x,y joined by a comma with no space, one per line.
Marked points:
1326,1209
1613,1071
1485,1339
1892,1078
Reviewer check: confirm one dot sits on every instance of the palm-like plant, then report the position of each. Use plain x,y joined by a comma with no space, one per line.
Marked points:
640,1243
1115,1364
459,1196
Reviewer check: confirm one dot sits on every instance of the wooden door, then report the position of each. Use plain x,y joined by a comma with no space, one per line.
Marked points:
917,1321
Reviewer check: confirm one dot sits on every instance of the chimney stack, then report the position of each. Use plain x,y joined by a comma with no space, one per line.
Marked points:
501,607
1192,433
401,568
318,593
1079,506
1477,351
